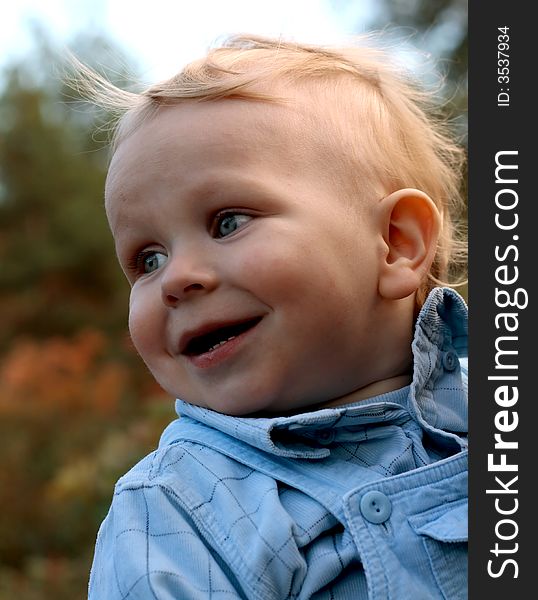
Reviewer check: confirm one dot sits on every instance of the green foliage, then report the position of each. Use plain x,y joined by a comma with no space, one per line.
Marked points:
56,252
438,28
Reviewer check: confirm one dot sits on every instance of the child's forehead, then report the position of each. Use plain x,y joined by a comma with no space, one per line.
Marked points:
193,132
283,107
183,147
288,128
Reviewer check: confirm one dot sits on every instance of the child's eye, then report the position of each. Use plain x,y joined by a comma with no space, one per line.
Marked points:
228,222
153,261
149,261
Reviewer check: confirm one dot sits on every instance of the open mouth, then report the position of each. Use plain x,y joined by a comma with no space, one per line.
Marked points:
212,340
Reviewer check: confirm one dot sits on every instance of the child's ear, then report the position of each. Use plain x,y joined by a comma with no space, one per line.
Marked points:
411,225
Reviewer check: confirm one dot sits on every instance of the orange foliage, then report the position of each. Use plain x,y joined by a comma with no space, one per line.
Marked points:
66,374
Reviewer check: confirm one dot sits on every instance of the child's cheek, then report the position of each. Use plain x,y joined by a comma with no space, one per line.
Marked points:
269,267
143,326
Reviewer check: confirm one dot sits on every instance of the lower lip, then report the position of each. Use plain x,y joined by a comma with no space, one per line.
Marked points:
221,353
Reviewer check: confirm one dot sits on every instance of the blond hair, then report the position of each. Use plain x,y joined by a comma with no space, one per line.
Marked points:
387,122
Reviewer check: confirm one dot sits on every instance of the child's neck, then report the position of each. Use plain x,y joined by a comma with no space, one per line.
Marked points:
373,389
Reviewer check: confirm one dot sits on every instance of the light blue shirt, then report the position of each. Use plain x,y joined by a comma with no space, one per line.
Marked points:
363,501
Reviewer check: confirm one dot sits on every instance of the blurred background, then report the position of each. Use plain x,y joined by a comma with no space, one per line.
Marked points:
77,407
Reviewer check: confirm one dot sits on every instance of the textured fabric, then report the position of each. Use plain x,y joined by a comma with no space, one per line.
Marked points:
363,501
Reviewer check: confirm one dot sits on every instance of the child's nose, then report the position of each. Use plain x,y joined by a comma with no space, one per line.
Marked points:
185,277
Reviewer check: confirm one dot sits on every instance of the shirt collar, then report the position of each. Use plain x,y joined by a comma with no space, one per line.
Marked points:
440,332
438,395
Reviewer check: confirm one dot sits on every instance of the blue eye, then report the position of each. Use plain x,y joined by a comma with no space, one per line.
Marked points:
151,261
227,223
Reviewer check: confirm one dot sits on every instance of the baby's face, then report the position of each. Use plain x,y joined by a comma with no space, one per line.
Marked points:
254,283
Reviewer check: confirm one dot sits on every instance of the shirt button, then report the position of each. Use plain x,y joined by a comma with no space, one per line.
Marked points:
450,360
375,507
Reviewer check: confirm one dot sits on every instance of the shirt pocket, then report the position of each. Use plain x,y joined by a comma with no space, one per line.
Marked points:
445,536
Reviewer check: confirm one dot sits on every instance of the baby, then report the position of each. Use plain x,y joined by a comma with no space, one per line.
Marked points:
282,214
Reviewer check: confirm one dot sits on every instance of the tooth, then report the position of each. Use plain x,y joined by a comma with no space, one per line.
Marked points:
222,342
